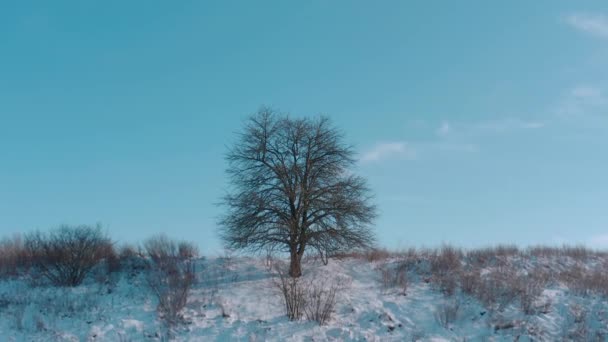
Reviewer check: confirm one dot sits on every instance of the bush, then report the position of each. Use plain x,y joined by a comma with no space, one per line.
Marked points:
66,255
293,294
394,277
312,298
447,313
13,256
498,288
375,255
171,275
445,269
320,301
132,259
470,281
531,287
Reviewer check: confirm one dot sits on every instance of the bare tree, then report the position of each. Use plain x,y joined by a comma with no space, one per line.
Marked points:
291,188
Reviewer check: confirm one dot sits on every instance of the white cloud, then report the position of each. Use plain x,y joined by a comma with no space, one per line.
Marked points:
595,24
457,147
586,92
491,126
388,150
444,129
532,124
508,124
582,100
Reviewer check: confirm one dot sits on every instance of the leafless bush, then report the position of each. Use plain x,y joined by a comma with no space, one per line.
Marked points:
13,256
573,277
447,313
480,257
312,298
445,269
66,255
506,250
293,293
498,288
376,254
543,251
320,301
394,277
132,260
470,281
127,251
269,260
171,275
577,325
584,282
490,255
597,281
580,253
17,313
531,287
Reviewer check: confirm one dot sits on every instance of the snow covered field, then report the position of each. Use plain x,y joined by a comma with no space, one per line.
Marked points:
235,299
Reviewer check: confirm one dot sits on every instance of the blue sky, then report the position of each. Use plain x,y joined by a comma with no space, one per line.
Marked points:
476,123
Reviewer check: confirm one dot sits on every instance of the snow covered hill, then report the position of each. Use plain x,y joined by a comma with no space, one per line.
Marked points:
445,295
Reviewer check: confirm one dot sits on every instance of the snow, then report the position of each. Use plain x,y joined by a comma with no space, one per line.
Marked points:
235,299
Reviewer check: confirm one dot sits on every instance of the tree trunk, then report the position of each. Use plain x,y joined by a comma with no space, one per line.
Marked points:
295,269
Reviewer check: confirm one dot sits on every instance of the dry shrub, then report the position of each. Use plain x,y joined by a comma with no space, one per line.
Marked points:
320,301
586,282
489,255
171,275
132,259
470,281
293,292
580,327
531,287
127,252
445,269
447,313
597,282
375,255
498,288
480,257
579,253
573,277
312,298
506,250
66,255
544,251
13,256
111,259
394,277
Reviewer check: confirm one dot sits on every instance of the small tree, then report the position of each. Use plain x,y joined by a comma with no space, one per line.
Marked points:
292,189
67,254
